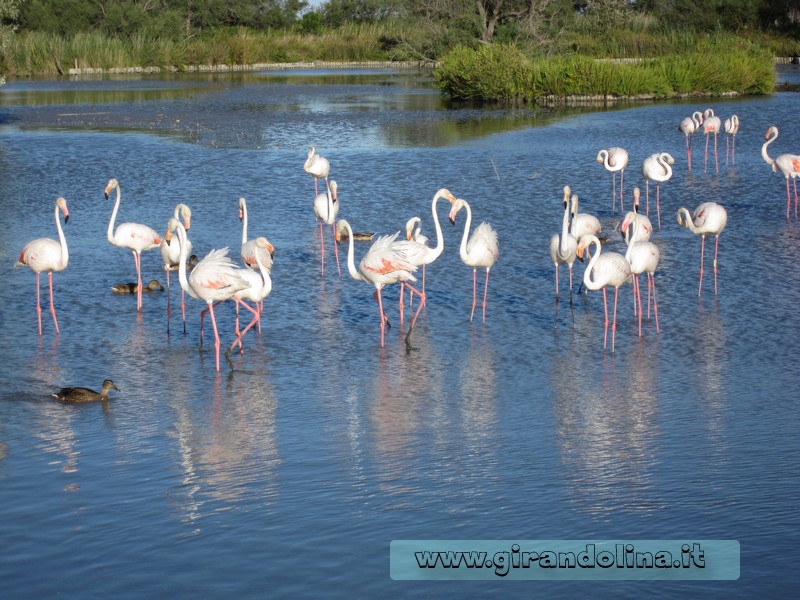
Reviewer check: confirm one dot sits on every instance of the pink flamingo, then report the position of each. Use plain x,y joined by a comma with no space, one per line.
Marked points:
326,209
213,279
134,236
709,218
564,244
731,129
614,159
416,246
318,167
689,126
382,265
259,287
711,124
44,255
643,257
481,250
657,167
788,164
604,269
170,254
645,229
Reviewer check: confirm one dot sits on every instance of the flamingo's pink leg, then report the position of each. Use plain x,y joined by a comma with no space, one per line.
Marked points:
474,293
336,250
138,279
702,254
605,326
655,302
38,304
485,291
322,246
716,249
216,333
52,304
614,324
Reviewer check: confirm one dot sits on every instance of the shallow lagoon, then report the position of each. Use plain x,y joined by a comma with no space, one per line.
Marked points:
293,473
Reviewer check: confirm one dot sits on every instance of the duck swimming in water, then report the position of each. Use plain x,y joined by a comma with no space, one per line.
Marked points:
81,394
131,288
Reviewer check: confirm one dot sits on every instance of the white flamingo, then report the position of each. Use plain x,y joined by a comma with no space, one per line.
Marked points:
134,236
214,279
326,209
643,257
604,269
657,167
170,255
45,255
382,265
318,167
615,159
787,164
709,218
582,223
689,126
563,246
731,129
481,250
416,246
645,229
711,124
259,287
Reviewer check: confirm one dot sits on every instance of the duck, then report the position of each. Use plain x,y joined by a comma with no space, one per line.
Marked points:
358,236
131,288
82,394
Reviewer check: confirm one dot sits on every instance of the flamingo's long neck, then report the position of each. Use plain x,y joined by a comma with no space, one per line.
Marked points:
588,279
687,219
351,263
110,233
62,240
605,158
266,285
184,280
329,196
665,166
244,221
467,224
764,154
439,248
562,243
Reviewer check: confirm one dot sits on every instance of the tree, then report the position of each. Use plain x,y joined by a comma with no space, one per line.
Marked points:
9,11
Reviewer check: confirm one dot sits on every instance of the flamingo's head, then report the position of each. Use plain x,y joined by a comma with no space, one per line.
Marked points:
112,184
62,206
242,205
341,227
262,242
770,132
334,189
446,194
457,206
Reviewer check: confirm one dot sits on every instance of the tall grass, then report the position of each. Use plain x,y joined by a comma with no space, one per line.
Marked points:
503,74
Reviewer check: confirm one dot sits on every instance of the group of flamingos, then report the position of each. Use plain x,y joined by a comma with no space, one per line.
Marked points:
389,260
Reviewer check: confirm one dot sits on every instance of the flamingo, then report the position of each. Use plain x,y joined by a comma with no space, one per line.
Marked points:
645,229
259,287
582,223
318,167
689,126
170,253
482,250
614,159
788,164
249,248
643,257
709,218
383,264
416,244
711,124
213,279
731,129
326,208
45,255
604,269
135,236
657,167
563,246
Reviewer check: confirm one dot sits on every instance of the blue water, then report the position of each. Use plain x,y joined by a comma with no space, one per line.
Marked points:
291,474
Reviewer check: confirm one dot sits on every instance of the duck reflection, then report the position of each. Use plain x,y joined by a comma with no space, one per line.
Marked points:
228,453
606,428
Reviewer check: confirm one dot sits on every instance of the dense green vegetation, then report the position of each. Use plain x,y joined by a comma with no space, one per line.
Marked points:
47,37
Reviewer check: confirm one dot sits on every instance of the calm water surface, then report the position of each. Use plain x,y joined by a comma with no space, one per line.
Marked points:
290,475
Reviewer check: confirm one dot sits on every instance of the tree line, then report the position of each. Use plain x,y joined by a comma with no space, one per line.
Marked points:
452,21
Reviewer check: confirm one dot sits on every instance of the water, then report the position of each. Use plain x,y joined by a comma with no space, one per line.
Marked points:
292,473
